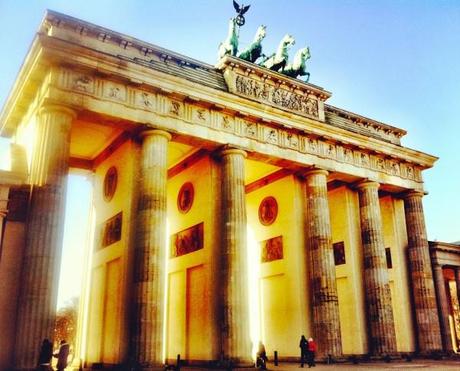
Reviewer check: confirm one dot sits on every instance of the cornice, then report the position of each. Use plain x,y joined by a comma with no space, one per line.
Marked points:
365,121
87,29
444,246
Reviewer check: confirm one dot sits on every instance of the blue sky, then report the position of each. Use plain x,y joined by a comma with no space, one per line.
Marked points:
394,61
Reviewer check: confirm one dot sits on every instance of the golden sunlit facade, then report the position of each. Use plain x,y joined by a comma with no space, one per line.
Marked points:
231,205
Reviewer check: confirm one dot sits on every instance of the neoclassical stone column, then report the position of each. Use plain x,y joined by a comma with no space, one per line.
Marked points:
382,339
443,306
326,320
423,293
150,250
236,343
42,255
457,282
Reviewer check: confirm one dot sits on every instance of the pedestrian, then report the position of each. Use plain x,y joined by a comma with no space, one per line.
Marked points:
62,355
303,345
46,353
311,352
261,359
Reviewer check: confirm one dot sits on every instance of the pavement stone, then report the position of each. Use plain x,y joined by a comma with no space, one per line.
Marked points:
444,365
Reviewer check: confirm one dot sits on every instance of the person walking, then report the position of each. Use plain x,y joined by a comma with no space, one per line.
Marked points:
303,345
62,355
311,352
46,353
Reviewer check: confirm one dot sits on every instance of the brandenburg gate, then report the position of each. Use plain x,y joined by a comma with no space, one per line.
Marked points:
225,198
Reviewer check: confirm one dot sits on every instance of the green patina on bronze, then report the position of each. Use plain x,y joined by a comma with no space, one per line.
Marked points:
277,61
254,50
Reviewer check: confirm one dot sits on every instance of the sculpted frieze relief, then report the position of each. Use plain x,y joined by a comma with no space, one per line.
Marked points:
83,83
222,121
227,123
175,108
114,91
330,150
145,100
198,114
267,93
348,155
271,135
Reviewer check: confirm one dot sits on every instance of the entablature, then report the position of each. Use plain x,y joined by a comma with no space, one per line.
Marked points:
187,115
285,120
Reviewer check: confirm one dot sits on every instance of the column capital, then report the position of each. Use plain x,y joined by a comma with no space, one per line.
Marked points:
232,151
153,132
367,184
53,107
412,193
316,171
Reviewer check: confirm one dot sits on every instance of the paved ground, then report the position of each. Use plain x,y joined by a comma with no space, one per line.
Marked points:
414,365
445,365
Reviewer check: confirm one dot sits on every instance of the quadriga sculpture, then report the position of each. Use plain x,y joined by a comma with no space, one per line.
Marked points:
278,60
230,45
298,66
254,50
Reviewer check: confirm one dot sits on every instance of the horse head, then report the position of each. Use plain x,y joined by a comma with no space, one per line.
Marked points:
302,54
287,41
260,34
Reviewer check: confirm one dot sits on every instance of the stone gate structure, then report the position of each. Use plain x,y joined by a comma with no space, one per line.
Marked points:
205,178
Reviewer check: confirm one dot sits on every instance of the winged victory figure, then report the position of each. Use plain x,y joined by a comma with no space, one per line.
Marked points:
241,10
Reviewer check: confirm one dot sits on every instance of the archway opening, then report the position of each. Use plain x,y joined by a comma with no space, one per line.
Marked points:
74,262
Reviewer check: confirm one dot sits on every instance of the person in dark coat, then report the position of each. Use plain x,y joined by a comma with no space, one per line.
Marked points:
261,359
46,353
311,353
62,355
303,345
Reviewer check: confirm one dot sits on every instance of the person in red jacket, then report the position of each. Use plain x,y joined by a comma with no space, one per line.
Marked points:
311,352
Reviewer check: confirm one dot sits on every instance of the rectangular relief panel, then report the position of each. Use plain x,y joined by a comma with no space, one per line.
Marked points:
271,249
187,241
111,231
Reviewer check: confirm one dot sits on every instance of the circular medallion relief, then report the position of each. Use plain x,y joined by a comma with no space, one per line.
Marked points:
110,183
268,210
185,197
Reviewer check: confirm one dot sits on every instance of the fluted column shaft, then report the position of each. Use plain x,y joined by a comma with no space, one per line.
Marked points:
42,255
382,338
150,250
236,344
326,320
423,293
457,283
443,307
